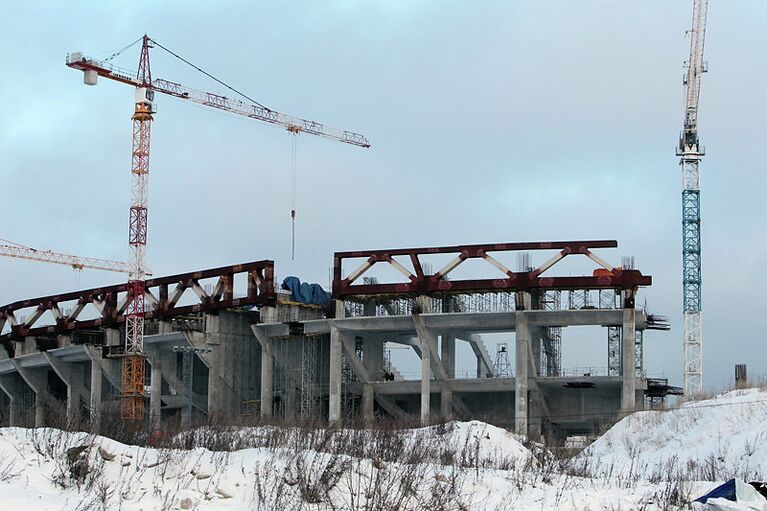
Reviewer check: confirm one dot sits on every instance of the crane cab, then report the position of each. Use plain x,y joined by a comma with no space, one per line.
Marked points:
144,96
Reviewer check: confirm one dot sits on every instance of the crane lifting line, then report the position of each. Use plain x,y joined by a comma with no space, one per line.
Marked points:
293,143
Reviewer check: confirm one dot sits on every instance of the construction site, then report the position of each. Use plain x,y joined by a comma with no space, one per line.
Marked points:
247,342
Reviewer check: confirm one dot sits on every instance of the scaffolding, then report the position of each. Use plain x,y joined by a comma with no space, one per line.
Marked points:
310,386
579,299
551,337
495,301
502,364
286,381
615,352
348,379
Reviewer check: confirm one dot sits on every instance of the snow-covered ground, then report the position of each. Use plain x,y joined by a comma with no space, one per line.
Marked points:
461,465
712,439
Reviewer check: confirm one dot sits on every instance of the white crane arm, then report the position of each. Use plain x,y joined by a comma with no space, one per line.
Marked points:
76,262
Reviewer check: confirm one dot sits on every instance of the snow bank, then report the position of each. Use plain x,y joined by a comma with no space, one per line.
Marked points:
490,445
711,440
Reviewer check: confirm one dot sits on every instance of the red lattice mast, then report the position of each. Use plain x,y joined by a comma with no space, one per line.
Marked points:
134,361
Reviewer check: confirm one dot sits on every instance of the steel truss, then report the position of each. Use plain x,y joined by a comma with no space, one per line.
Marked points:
419,283
161,298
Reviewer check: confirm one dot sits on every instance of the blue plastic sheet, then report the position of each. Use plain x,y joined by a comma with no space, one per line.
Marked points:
726,491
303,292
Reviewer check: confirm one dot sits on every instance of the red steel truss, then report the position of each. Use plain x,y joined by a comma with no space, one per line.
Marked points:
160,299
419,283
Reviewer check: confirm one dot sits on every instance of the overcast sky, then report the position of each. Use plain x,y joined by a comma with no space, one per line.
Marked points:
490,122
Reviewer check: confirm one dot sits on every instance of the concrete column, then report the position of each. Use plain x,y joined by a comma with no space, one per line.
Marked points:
164,327
447,349
72,376
628,393
522,363
37,379
425,381
340,309
155,398
109,367
424,304
334,401
292,402
368,400
112,337
12,384
446,403
95,397
373,350
267,377
535,406
448,354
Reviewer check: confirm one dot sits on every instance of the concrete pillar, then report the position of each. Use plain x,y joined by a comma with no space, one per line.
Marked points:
373,353
101,368
425,381
268,315
164,327
267,377
368,400
113,337
95,397
37,379
448,354
535,403
535,416
334,401
628,393
292,401
155,398
522,363
446,403
72,376
12,385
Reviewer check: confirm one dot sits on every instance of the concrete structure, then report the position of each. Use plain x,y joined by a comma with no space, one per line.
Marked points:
292,360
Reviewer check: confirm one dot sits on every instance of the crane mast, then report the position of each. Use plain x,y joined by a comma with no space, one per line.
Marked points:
133,360
691,152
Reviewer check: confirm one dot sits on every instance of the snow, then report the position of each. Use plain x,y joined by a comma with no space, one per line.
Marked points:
649,460
712,439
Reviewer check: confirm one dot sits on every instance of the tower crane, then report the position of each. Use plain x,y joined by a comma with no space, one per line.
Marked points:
11,249
133,361
691,152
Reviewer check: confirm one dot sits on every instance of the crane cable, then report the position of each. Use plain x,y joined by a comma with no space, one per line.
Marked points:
293,143
118,52
182,59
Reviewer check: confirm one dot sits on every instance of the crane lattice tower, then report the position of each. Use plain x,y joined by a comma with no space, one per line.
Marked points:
691,152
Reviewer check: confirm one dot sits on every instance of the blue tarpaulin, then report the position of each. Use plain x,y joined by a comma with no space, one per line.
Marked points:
726,491
303,292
